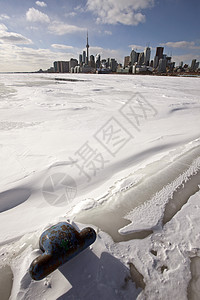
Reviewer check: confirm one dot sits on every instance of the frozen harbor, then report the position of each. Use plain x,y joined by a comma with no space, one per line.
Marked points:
120,153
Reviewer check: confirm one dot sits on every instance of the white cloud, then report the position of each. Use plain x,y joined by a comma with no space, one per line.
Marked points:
41,3
12,37
4,17
34,15
60,28
122,11
137,47
3,27
16,58
108,32
79,9
32,28
71,14
181,44
61,47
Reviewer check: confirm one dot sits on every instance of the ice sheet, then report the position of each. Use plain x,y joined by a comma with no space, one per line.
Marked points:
110,151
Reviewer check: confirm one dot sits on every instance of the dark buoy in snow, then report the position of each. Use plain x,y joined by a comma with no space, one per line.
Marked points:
60,243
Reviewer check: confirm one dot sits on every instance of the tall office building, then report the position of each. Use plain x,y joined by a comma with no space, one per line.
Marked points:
169,60
155,62
98,60
141,58
87,47
113,65
162,65
159,52
134,57
126,61
147,54
84,57
197,65
193,64
80,59
92,61
158,56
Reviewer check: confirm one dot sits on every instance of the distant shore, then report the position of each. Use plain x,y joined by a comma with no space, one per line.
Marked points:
196,75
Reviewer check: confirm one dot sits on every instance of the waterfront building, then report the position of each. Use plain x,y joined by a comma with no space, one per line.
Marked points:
155,62
133,57
73,63
193,64
159,52
98,60
126,61
80,59
113,65
162,65
92,61
84,57
196,65
147,55
55,65
61,66
141,59
158,56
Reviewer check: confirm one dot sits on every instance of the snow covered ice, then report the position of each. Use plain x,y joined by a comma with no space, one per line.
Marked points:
118,153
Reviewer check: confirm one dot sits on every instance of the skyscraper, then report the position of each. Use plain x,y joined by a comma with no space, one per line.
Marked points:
197,65
162,65
84,57
92,61
87,47
147,54
80,59
155,62
158,56
126,61
193,64
113,65
98,60
159,52
141,58
134,57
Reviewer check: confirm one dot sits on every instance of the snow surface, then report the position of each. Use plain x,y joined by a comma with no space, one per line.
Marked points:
118,153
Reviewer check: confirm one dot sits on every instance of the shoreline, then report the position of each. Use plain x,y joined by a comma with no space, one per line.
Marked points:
113,73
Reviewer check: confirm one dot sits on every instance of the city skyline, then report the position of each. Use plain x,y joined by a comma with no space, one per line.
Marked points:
35,33
135,63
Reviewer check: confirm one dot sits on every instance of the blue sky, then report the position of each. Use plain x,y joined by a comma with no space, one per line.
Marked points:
33,34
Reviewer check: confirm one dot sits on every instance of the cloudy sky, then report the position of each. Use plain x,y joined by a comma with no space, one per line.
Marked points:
33,34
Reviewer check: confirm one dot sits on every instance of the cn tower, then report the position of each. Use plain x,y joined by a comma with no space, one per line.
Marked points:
87,46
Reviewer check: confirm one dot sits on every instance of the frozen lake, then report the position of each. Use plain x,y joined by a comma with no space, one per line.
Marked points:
118,152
